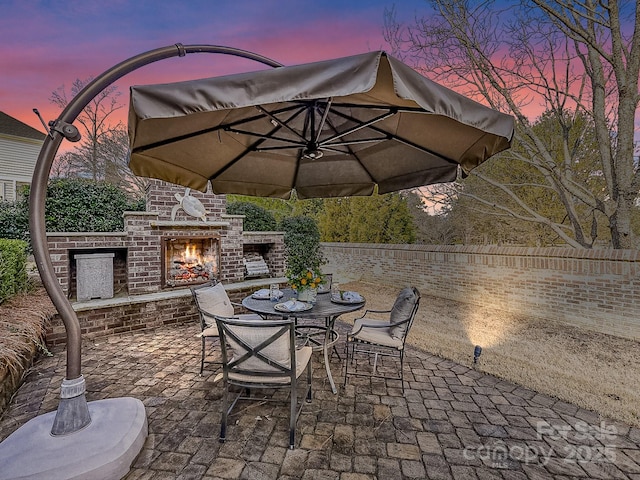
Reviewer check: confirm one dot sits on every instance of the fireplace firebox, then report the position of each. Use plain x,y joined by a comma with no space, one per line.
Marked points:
190,260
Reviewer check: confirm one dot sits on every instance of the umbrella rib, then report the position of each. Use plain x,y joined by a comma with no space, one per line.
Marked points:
204,131
352,153
398,109
398,138
356,142
323,120
361,125
281,123
254,146
283,147
264,136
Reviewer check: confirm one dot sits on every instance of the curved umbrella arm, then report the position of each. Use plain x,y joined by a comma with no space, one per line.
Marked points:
63,128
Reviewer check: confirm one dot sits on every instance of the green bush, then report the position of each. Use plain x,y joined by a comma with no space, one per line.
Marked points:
257,219
14,220
302,245
80,205
72,205
13,267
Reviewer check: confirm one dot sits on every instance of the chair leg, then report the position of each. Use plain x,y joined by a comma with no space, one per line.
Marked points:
402,370
335,350
202,356
346,363
293,416
225,413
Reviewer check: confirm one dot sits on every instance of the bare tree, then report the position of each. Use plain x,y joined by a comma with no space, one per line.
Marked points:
103,152
94,125
115,147
570,58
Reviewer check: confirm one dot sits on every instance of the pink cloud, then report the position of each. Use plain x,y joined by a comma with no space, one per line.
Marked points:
62,49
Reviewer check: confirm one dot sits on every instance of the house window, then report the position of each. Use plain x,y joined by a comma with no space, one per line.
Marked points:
7,191
20,190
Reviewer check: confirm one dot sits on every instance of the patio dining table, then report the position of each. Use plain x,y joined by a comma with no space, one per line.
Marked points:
322,337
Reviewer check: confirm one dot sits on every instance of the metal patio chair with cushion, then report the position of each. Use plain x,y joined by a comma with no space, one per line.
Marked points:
386,337
211,299
262,354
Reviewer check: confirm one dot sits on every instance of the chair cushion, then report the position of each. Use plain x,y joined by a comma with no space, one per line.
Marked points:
214,300
303,356
401,310
374,331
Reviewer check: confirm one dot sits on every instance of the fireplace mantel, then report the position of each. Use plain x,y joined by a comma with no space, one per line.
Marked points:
188,224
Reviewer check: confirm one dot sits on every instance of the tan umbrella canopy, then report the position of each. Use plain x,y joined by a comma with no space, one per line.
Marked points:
324,129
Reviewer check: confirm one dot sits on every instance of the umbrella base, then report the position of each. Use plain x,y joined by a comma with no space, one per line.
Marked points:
105,448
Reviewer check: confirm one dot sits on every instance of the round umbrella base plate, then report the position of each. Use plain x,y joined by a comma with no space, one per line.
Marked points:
106,448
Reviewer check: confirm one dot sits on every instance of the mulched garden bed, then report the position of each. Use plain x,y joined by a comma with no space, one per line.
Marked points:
23,321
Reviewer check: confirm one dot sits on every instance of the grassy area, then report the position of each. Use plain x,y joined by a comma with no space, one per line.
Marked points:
592,370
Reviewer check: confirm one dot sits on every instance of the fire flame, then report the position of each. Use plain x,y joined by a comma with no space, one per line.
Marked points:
191,255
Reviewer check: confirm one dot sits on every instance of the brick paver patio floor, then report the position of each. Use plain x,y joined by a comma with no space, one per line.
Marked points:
452,422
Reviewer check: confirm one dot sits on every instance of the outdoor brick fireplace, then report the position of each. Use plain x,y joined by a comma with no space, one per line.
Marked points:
165,248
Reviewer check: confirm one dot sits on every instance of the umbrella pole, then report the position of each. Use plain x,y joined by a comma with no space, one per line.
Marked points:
72,414
106,446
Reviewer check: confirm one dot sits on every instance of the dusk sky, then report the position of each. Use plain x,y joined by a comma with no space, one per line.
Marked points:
46,44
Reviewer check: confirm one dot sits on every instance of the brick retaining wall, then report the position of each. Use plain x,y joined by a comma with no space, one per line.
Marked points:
143,312
594,289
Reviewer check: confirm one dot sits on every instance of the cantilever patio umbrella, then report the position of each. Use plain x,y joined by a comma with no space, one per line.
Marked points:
325,129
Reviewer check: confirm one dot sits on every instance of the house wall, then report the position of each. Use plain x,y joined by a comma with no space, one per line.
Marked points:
18,158
593,289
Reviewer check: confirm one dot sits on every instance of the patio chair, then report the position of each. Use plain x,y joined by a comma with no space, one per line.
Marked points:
262,354
383,337
211,299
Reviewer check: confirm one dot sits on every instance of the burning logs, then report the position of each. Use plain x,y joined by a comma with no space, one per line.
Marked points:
188,272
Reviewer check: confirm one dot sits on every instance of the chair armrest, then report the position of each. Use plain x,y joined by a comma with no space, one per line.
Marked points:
372,311
371,324
395,324
375,324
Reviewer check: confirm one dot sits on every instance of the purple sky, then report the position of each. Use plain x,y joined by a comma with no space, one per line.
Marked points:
45,45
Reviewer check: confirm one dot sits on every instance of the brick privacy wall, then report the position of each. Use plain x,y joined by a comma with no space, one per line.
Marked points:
135,316
594,289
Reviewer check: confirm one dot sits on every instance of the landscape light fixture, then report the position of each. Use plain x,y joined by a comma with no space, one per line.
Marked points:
476,353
